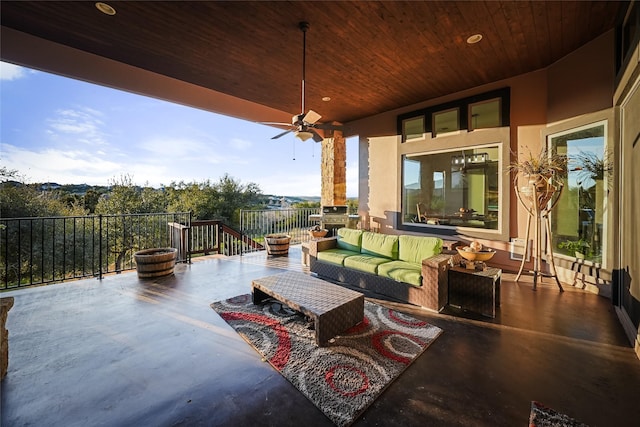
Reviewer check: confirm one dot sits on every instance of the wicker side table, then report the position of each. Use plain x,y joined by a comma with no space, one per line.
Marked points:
475,291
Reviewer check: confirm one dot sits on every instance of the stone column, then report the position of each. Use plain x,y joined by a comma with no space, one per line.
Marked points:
5,306
334,170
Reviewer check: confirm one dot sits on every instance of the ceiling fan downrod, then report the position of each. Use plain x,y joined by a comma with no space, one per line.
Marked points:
304,26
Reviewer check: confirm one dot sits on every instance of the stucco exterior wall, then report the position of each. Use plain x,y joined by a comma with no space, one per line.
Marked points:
545,96
583,81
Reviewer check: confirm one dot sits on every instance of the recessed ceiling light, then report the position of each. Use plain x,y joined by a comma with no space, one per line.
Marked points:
105,8
474,38
326,98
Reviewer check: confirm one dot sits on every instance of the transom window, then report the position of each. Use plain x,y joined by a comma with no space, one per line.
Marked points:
487,110
413,128
485,114
446,121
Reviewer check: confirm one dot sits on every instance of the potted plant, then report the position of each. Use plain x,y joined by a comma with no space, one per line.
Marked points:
541,172
578,247
545,163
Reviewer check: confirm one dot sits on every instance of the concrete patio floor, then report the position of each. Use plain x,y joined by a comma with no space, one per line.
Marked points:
125,352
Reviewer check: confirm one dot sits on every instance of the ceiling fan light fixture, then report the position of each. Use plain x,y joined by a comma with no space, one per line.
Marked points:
303,135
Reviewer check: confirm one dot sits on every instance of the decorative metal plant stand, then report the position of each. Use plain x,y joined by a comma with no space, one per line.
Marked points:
539,197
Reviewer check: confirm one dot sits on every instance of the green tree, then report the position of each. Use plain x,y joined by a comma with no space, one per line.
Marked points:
24,240
196,198
127,198
232,196
21,200
222,200
125,232
90,200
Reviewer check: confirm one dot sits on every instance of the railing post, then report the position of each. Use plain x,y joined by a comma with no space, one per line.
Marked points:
100,247
241,232
220,239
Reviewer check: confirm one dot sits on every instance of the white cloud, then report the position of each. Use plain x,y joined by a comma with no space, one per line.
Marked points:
84,125
64,167
11,71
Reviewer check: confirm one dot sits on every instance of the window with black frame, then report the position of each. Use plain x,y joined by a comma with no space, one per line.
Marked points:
486,110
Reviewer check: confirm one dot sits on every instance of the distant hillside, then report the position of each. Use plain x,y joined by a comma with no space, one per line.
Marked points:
81,190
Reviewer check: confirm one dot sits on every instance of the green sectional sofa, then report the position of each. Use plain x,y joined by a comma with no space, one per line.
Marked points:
407,268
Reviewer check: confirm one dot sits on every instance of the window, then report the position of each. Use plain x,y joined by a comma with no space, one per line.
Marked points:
485,114
486,110
412,128
445,121
452,188
578,218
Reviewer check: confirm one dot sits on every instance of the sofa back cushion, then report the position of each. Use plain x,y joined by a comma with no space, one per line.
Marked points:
416,248
382,245
349,239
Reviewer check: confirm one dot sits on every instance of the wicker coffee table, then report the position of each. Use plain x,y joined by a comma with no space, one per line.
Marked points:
476,291
333,308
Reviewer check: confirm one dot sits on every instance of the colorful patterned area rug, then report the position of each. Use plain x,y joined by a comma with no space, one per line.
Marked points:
542,416
345,377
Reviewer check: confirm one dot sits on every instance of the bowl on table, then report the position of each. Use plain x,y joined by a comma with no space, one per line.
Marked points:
471,255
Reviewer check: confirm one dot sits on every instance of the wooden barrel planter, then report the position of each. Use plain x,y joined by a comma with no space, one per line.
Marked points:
155,262
277,244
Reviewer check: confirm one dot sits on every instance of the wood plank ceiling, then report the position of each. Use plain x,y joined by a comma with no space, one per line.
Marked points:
369,57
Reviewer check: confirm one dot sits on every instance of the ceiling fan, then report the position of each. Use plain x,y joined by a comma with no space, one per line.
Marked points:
304,124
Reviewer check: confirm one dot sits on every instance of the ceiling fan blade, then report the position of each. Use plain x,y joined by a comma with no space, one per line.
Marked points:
276,124
327,126
311,117
316,136
281,134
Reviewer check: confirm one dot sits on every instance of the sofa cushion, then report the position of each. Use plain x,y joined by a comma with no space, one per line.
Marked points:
335,256
349,239
402,271
366,263
416,248
380,245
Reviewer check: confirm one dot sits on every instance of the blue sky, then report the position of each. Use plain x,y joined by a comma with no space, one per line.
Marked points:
56,129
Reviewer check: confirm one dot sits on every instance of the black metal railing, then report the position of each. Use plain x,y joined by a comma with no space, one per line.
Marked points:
42,250
35,251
